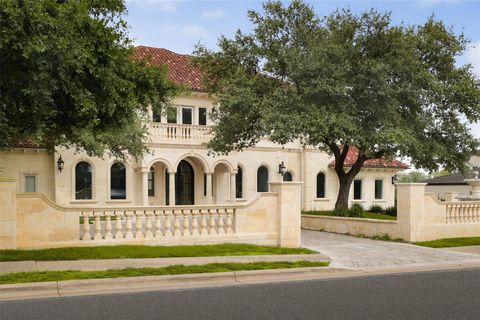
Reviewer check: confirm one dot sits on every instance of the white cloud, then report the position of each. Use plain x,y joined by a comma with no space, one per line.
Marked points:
159,5
217,13
186,30
473,56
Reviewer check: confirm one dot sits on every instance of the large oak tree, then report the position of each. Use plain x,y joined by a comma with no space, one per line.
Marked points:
67,77
344,80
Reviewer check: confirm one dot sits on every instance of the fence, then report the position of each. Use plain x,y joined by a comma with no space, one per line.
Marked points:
421,217
34,221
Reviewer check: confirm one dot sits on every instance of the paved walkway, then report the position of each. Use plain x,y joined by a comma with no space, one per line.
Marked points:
362,253
105,264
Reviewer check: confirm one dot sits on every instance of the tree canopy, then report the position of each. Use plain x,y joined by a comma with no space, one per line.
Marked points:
344,80
68,78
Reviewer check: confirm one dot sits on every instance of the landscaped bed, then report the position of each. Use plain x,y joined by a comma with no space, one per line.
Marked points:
366,215
123,252
42,276
450,242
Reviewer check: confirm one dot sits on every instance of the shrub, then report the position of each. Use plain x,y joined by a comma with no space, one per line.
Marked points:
356,211
375,208
391,211
344,212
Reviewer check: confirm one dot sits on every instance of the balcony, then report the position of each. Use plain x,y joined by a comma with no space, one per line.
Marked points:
178,133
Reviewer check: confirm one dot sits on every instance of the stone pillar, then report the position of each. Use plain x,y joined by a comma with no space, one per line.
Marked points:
8,214
209,188
145,188
171,191
232,187
410,210
289,195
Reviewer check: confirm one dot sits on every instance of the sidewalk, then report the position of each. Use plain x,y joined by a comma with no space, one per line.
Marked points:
107,264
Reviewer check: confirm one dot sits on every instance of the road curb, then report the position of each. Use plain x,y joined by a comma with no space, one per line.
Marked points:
153,283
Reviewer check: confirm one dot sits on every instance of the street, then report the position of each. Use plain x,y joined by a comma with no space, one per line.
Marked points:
449,295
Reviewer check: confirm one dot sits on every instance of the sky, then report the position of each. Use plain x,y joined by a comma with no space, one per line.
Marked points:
179,25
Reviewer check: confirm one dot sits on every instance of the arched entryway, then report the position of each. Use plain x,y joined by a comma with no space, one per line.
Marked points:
184,184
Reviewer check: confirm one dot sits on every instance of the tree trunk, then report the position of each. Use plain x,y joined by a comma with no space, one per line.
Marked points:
343,193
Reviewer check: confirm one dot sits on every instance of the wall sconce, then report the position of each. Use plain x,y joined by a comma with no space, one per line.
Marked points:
282,168
394,179
60,164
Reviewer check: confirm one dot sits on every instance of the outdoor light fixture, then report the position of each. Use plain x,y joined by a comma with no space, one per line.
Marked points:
282,168
394,179
60,164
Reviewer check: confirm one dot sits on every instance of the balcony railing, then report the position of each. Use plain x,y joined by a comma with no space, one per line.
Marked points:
179,133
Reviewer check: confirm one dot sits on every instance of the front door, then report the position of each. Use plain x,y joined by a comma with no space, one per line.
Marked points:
184,184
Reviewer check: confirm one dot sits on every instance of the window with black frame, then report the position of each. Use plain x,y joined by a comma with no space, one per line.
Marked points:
321,185
118,181
239,183
83,181
262,179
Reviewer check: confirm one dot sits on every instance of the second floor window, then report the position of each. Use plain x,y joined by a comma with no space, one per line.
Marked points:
202,116
186,115
171,115
156,115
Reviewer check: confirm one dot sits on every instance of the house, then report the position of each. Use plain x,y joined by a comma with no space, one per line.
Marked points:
453,183
179,169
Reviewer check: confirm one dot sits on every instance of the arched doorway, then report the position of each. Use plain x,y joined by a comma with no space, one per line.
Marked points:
184,184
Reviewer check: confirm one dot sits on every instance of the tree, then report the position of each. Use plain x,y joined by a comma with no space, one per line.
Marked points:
68,78
344,81
412,176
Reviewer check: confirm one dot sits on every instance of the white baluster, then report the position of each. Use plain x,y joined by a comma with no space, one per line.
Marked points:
118,225
86,226
158,223
148,224
220,221
176,223
228,222
138,224
128,225
195,223
186,225
108,225
98,226
203,221
168,224
211,229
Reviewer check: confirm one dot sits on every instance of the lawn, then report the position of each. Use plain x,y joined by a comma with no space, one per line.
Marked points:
451,242
124,251
41,276
367,215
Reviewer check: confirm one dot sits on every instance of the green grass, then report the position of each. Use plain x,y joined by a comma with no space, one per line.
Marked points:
451,242
367,215
41,276
122,252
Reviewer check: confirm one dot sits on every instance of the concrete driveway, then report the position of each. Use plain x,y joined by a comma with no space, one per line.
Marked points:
361,253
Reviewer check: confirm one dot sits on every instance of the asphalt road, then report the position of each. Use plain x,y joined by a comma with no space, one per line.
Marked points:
430,295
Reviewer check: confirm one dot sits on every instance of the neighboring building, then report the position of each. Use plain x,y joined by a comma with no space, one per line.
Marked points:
179,169
450,183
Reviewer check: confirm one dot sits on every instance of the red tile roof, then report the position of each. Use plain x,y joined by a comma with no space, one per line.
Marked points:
180,70
352,156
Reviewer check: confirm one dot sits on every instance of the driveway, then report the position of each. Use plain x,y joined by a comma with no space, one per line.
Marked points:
361,253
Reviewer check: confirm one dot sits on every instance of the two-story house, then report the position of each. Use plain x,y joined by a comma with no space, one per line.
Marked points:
179,169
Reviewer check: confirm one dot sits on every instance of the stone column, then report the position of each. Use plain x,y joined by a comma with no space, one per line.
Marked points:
289,195
171,190
209,188
232,187
8,214
145,188
410,210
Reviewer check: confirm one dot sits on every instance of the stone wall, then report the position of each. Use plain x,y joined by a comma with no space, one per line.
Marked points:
420,217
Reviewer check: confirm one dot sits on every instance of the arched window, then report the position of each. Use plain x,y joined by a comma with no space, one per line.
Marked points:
118,181
184,184
287,176
321,185
239,183
262,179
83,181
